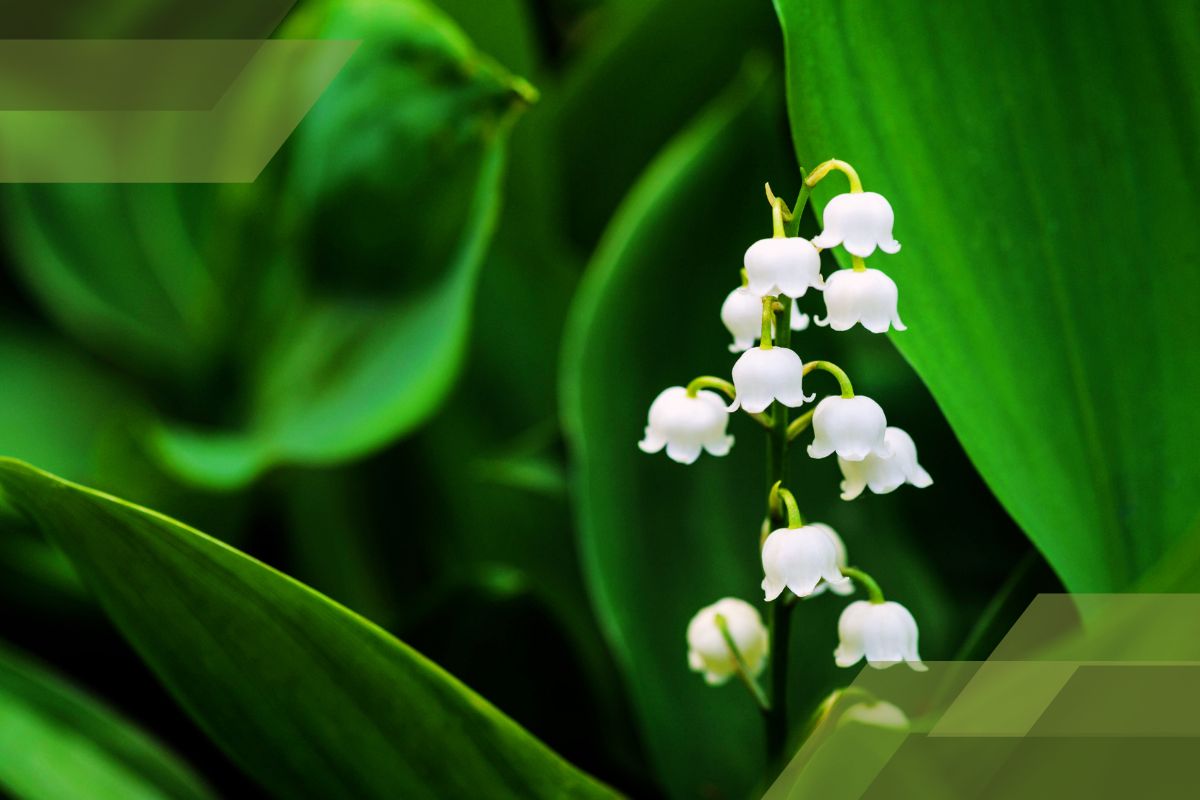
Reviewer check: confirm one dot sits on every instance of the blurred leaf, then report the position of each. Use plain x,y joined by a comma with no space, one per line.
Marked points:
122,267
394,180
311,699
57,406
658,541
1043,171
644,70
57,742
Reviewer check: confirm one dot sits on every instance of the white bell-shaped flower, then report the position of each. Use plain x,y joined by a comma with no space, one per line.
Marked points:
852,427
742,314
686,425
708,652
876,714
798,559
846,587
885,633
863,296
783,265
860,222
763,376
885,474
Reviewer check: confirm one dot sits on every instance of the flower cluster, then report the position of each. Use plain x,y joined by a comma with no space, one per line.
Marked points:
800,559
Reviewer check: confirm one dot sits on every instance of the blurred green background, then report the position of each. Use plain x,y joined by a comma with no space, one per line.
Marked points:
408,366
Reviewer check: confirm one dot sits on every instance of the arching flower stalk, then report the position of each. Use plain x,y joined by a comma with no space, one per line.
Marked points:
799,559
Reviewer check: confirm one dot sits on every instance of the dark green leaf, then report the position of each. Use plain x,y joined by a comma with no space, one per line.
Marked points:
58,742
392,189
311,699
1043,170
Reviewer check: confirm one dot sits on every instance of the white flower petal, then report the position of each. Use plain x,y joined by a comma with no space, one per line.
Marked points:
868,297
764,376
684,425
859,221
852,427
799,558
883,633
708,650
782,266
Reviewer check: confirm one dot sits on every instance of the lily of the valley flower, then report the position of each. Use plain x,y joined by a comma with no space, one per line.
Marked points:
685,425
885,474
859,221
845,587
708,651
763,376
798,559
864,296
852,427
876,714
783,265
884,633
742,314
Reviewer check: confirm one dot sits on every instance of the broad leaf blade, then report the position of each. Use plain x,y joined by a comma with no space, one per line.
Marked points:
1042,167
391,188
311,699
56,742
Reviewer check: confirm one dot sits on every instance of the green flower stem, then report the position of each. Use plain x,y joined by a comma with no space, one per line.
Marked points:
821,170
800,424
833,369
779,614
745,278
874,593
762,419
768,321
710,382
778,493
743,669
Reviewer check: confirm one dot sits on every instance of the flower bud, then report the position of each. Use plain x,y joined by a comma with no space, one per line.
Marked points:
859,221
783,266
708,651
763,376
853,427
685,425
867,296
885,633
798,559
885,474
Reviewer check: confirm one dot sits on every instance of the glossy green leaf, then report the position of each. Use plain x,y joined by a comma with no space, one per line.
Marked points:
58,742
391,189
309,698
1042,166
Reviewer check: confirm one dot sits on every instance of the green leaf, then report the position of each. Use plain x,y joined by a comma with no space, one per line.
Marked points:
124,268
41,416
660,542
58,742
1042,168
391,189
311,699
635,86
